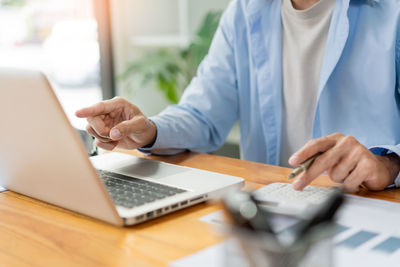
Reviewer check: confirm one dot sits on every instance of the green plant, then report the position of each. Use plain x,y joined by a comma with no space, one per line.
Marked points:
171,70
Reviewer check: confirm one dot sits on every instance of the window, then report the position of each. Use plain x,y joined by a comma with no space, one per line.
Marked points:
59,38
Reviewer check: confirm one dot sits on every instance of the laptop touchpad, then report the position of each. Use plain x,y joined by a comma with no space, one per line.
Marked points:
151,169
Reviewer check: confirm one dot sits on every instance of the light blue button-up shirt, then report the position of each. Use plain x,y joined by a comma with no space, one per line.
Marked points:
241,79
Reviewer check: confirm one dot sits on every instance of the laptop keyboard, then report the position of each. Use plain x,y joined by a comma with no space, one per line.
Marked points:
130,192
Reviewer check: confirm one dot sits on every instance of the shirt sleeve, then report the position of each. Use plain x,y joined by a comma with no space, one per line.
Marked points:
208,108
385,150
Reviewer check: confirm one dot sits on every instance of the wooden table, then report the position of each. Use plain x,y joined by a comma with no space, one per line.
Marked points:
33,233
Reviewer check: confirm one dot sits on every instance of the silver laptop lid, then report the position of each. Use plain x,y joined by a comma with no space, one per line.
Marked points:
41,155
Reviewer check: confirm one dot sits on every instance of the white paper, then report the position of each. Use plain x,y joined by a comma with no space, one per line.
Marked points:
214,256
2,189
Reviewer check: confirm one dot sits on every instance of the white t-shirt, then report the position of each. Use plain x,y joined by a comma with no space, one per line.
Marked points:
304,35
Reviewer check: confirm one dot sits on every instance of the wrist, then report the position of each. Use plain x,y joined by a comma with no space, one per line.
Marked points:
393,166
152,135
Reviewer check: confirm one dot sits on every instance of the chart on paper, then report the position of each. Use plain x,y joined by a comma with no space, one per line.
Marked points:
369,234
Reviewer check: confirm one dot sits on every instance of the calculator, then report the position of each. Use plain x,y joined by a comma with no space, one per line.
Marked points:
281,198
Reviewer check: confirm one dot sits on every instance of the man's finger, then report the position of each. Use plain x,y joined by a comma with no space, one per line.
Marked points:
353,182
106,146
341,170
313,147
299,183
98,109
98,125
326,161
101,108
93,133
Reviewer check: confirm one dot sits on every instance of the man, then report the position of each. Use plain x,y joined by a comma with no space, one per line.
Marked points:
290,71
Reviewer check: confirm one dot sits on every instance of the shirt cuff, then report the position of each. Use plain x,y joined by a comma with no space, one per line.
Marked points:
385,150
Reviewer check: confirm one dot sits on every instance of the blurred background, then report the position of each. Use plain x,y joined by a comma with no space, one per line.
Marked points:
146,51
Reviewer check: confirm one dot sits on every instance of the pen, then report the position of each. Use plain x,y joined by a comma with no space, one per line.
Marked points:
304,166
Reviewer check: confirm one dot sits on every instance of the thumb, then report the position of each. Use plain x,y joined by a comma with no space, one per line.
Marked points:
115,133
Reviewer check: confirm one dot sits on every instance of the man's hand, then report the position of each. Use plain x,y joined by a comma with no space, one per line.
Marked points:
346,161
118,123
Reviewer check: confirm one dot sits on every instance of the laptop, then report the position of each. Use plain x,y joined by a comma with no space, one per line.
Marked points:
42,156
